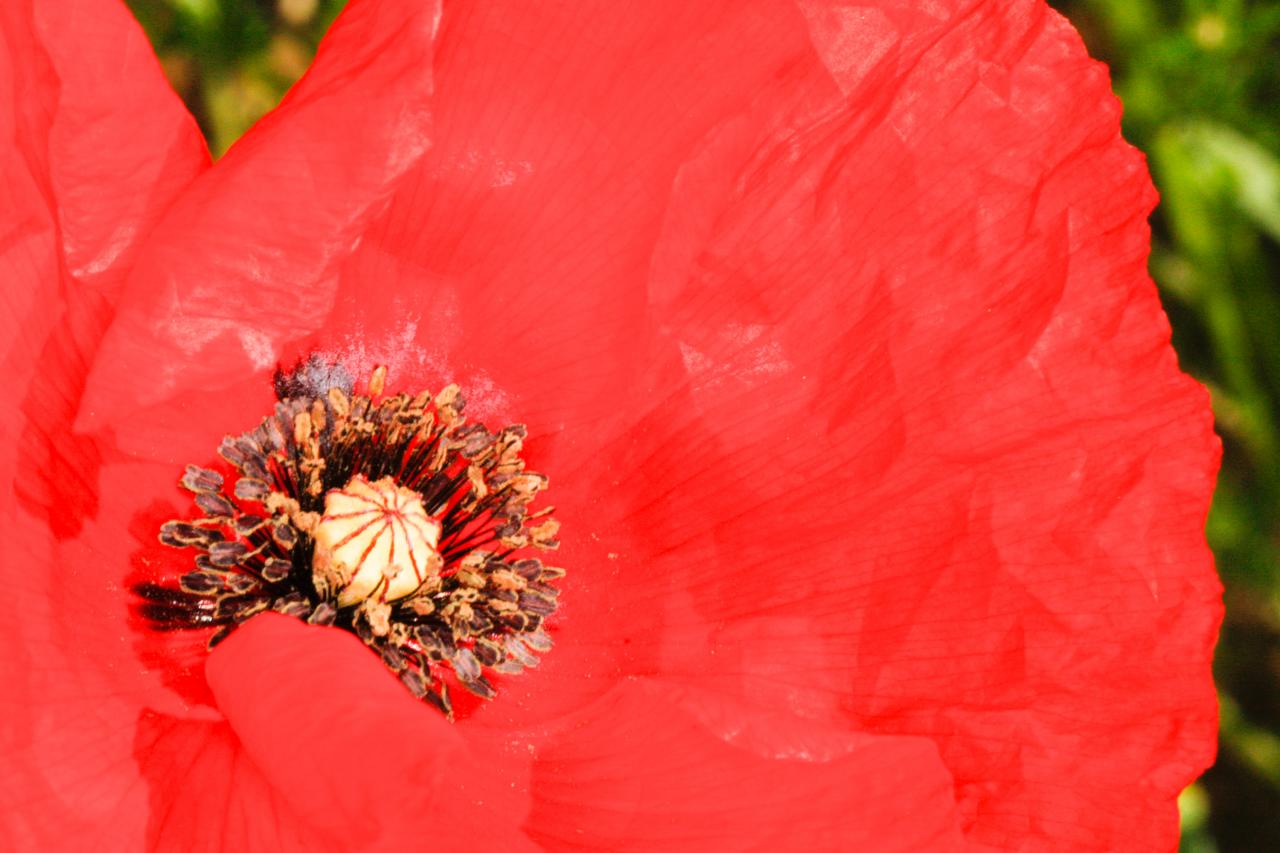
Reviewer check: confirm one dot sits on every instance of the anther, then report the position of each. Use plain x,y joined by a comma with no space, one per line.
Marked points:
387,516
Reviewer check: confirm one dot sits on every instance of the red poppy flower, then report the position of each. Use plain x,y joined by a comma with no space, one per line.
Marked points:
882,493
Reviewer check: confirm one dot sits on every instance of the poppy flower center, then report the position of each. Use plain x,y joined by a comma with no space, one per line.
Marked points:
388,515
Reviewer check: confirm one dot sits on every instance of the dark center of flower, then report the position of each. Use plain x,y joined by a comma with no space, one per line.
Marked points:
389,516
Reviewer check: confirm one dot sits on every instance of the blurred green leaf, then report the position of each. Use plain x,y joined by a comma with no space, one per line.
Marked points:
1193,805
1253,170
204,12
1257,746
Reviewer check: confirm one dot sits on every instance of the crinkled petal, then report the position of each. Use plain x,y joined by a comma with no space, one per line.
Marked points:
642,769
204,792
857,400
514,258
98,147
247,260
929,466
359,759
881,367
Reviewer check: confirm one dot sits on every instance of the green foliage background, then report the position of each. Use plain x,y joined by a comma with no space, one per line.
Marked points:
1200,81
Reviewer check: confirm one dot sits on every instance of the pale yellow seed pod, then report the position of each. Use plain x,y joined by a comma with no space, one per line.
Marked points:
375,540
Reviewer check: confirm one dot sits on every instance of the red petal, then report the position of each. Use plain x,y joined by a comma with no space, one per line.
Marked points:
99,146
205,793
351,751
247,260
638,771
514,259
76,675
906,447
121,146
931,468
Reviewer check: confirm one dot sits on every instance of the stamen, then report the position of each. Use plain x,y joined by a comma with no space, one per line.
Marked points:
388,516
